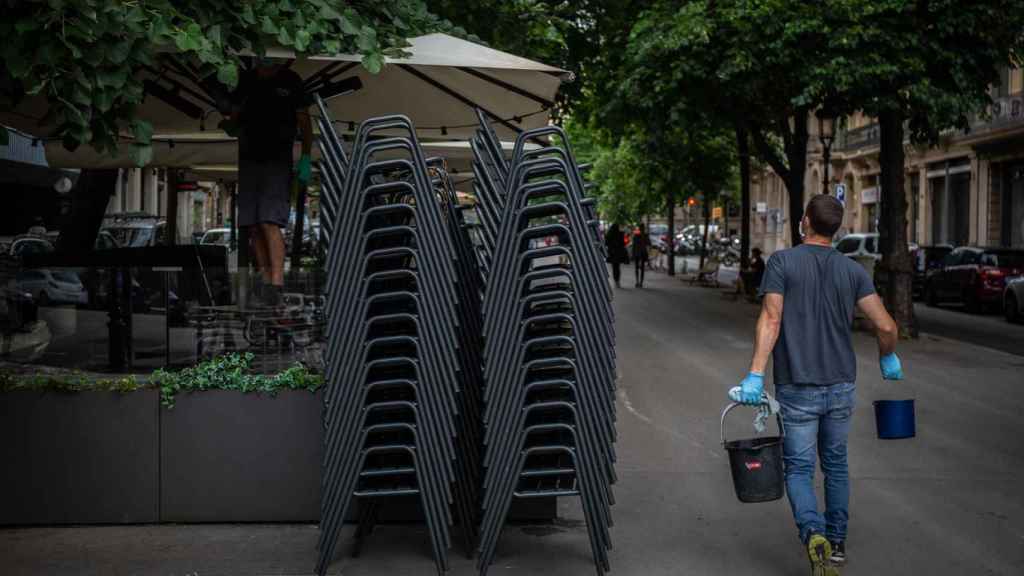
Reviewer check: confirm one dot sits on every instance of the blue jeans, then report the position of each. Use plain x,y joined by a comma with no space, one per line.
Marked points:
817,421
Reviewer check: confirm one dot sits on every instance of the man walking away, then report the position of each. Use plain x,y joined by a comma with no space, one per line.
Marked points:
615,248
273,109
806,324
640,246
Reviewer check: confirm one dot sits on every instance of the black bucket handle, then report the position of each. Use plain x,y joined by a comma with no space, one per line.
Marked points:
778,418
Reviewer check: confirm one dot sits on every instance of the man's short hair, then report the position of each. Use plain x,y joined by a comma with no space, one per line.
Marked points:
825,214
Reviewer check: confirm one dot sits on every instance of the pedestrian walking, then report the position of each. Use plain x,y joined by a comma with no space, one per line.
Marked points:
641,247
272,110
615,248
809,294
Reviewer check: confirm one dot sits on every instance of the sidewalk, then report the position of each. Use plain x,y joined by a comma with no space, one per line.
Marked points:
946,502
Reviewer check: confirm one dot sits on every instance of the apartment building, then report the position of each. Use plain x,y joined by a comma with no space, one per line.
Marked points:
967,190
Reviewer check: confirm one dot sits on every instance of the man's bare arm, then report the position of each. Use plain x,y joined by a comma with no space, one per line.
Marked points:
885,327
768,325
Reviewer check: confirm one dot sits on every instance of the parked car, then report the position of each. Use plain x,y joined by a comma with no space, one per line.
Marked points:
975,277
1013,299
926,259
52,286
106,241
217,237
859,245
136,230
22,246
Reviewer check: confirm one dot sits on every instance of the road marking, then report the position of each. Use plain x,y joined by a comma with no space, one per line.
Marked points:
624,398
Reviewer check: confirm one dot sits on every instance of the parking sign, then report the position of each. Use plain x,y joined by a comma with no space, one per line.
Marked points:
841,193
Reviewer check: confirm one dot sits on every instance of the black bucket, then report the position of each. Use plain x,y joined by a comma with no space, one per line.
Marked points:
756,463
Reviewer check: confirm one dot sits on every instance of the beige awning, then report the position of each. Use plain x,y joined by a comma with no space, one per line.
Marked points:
438,87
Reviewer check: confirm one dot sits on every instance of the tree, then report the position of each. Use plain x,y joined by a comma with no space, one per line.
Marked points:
84,56
920,68
626,189
749,64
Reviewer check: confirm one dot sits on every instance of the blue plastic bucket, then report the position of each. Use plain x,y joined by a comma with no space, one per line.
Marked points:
895,419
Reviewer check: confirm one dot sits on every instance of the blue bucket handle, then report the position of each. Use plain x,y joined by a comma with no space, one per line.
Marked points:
778,418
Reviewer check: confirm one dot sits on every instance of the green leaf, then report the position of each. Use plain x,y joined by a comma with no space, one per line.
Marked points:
284,37
247,15
103,100
373,62
214,34
143,131
302,38
327,11
348,27
227,73
268,26
141,154
118,53
367,40
112,77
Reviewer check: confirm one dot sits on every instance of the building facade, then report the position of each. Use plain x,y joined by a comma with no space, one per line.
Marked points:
202,205
968,190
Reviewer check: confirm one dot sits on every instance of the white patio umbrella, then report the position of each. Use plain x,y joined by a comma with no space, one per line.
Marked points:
438,86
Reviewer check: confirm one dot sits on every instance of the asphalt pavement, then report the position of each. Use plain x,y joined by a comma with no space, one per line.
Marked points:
946,502
990,330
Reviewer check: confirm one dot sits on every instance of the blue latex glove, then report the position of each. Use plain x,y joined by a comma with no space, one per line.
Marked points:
304,169
892,369
750,390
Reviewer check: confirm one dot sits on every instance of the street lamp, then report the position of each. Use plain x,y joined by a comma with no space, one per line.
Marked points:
827,134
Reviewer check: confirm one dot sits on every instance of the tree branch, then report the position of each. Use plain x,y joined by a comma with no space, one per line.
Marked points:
768,153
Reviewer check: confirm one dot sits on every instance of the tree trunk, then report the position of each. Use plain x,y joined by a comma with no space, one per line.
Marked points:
707,230
796,154
173,178
743,147
893,275
89,199
670,249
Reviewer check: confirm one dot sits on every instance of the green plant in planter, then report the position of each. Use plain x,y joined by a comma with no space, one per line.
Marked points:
74,382
231,372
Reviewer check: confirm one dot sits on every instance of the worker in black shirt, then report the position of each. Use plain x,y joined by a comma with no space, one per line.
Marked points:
273,109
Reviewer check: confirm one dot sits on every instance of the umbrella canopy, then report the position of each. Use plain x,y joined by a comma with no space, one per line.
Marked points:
438,86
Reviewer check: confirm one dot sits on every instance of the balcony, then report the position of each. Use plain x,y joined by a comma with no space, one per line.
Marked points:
1006,112
859,138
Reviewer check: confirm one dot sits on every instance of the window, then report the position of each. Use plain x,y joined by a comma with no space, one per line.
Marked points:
970,258
848,245
66,277
31,247
215,238
1003,259
871,244
952,259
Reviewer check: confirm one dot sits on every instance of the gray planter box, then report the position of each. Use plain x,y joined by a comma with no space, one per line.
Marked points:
227,456
217,456
79,458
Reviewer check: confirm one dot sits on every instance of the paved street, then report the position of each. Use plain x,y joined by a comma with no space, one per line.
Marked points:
946,502
989,330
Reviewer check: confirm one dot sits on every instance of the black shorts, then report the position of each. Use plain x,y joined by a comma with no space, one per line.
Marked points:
264,191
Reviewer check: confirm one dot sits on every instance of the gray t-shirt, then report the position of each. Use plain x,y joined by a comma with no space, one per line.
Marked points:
820,288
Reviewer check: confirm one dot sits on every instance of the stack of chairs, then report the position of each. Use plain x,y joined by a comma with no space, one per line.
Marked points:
549,362
398,371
